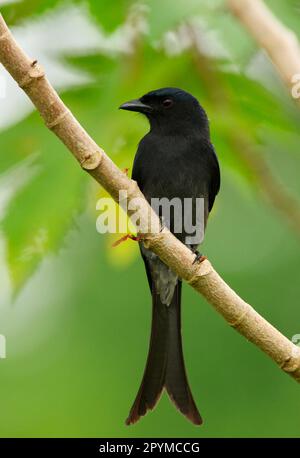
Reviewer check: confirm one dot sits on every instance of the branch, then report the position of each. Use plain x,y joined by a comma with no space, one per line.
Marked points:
280,43
202,277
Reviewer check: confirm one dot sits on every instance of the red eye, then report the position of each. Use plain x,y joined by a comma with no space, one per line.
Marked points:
167,103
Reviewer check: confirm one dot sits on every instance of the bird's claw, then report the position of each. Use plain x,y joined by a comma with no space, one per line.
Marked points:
198,257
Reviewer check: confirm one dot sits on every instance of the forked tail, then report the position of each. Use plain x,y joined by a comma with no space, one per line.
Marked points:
165,364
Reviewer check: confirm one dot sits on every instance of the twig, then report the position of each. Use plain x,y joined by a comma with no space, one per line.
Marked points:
279,42
202,277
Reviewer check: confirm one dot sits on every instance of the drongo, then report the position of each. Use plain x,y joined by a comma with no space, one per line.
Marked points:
175,160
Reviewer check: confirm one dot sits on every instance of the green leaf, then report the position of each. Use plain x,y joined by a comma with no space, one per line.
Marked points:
110,14
168,14
18,11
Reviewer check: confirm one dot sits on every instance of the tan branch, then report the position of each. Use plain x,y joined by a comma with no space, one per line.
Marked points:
202,277
280,43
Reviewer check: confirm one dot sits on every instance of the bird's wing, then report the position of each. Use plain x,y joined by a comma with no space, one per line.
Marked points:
215,180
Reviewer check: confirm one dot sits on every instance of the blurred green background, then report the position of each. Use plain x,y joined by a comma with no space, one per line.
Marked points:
74,311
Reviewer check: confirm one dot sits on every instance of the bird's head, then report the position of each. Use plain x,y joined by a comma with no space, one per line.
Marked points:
170,110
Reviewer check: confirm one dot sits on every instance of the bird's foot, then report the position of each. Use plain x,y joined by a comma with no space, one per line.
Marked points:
126,170
135,238
198,257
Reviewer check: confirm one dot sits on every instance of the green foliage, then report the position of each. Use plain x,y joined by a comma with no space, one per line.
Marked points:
110,14
17,12
232,99
79,314
38,217
168,14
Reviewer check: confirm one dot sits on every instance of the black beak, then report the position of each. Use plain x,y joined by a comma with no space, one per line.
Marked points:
136,105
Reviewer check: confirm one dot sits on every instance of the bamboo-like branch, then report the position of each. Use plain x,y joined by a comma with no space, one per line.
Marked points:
279,42
202,277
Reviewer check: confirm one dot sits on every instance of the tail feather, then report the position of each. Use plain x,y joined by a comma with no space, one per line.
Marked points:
153,379
165,364
176,382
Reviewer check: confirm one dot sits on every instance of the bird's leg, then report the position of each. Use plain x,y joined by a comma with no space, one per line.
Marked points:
135,238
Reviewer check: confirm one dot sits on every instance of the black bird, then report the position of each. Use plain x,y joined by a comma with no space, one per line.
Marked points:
174,160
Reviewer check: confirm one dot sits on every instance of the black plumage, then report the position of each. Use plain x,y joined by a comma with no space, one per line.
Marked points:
174,160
